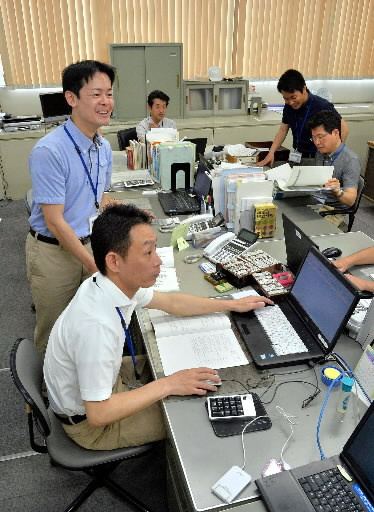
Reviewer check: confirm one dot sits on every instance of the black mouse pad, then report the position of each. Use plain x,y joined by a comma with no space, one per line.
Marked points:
234,427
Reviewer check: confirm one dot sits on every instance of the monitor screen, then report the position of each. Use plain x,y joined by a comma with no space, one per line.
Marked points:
203,180
54,105
325,295
358,451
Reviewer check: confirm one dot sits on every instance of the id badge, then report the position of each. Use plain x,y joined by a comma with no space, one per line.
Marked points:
295,156
91,221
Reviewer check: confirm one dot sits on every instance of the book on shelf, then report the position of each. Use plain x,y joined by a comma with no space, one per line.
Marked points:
192,342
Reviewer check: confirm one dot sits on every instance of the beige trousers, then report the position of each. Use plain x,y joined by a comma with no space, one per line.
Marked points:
146,426
54,275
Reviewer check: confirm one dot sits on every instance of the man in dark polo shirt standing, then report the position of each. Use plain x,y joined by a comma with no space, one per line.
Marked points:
300,106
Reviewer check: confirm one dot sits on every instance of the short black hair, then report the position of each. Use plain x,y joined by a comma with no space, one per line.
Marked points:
326,118
154,95
77,74
292,80
111,231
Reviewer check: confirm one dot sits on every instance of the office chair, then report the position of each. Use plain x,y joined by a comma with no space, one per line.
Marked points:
351,211
27,372
124,137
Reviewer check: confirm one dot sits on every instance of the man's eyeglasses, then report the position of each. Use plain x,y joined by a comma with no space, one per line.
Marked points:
318,138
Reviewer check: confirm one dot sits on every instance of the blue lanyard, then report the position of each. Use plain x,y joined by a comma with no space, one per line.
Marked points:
77,149
129,341
298,133
335,155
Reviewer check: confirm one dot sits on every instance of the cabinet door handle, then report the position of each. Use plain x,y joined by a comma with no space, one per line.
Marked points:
186,100
215,98
177,80
243,98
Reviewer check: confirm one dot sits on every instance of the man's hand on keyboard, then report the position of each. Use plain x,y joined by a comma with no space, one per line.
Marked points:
192,382
248,303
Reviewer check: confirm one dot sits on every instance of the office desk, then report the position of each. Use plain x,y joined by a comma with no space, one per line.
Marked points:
196,457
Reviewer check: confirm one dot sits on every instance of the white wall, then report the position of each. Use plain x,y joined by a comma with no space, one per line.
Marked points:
20,102
26,101
342,91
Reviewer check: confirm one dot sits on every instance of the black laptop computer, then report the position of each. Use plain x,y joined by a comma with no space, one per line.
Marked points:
320,486
297,244
318,307
180,202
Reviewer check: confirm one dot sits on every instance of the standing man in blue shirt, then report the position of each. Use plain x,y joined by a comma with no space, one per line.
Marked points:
70,170
158,103
300,106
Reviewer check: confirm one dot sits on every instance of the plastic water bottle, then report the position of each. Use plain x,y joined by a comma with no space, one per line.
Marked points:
344,396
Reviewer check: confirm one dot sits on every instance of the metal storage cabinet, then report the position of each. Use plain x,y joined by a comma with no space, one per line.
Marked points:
225,98
141,68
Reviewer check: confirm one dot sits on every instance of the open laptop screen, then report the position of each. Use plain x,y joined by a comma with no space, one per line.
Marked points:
325,295
358,451
297,244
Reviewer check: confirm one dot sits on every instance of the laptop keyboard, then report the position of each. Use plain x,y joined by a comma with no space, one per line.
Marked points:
179,202
329,492
282,335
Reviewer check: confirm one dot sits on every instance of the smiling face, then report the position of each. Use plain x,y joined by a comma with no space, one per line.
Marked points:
295,99
158,110
141,266
94,106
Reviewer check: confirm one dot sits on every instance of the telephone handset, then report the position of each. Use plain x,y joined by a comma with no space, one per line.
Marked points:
204,223
228,246
197,218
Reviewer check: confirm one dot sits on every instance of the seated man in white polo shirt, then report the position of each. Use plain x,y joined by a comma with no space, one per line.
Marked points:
158,102
87,379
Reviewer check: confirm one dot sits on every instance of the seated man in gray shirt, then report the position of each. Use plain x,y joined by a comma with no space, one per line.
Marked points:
158,102
326,135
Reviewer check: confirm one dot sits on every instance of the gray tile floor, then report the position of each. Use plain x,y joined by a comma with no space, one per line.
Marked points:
27,481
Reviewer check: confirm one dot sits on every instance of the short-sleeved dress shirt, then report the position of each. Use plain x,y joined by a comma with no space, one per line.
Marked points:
58,177
84,351
347,169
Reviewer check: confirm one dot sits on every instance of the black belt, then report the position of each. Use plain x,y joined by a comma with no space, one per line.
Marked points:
71,420
49,240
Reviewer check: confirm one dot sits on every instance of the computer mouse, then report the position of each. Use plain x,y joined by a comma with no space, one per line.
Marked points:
331,252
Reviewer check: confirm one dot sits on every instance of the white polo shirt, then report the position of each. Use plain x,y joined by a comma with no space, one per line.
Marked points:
84,351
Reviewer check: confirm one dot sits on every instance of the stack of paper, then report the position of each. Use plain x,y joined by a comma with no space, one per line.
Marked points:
300,178
167,281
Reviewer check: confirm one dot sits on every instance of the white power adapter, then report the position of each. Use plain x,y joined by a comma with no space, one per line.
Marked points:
231,484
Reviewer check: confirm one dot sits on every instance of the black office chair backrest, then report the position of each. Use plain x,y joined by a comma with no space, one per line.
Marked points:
124,137
360,189
26,368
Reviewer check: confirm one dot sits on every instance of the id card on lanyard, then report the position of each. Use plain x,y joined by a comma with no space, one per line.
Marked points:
93,188
296,155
